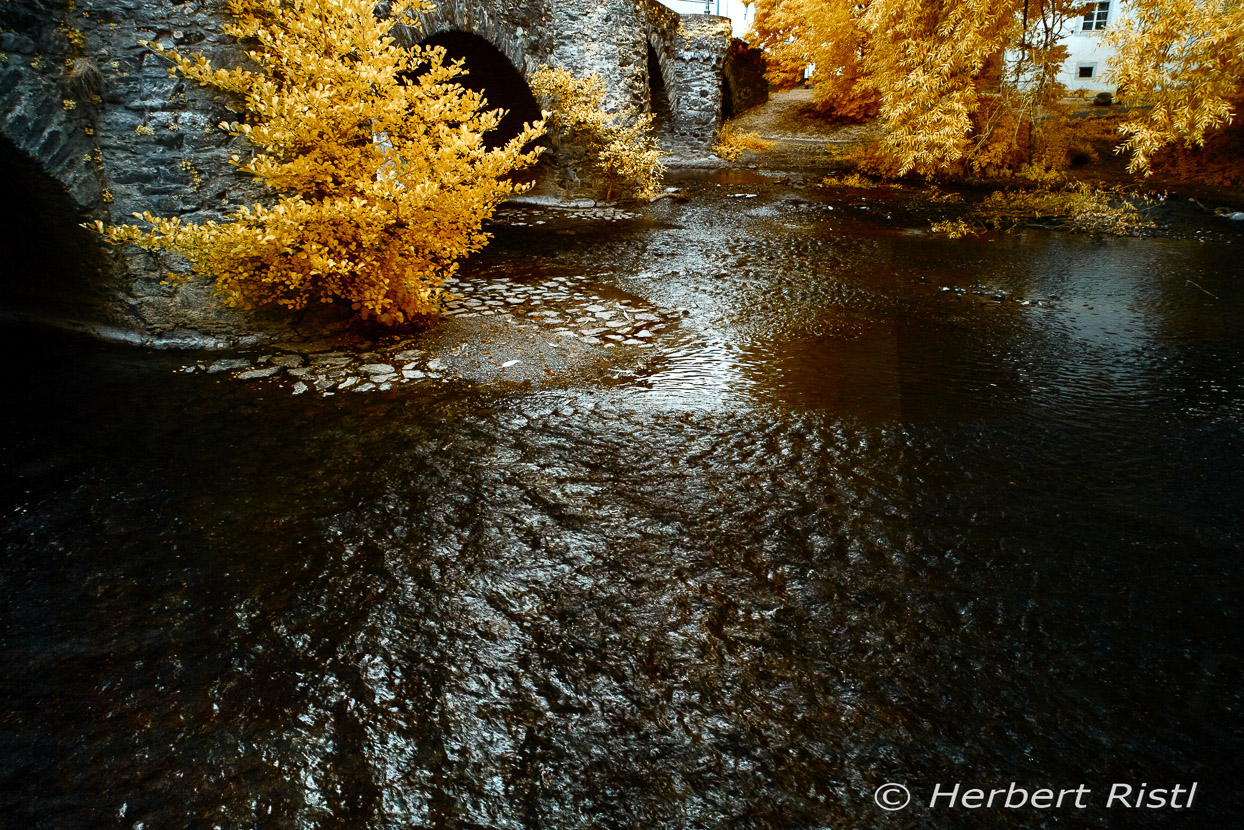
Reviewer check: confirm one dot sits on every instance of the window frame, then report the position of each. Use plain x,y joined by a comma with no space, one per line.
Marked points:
1097,18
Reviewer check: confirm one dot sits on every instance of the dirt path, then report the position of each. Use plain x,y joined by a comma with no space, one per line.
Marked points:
789,117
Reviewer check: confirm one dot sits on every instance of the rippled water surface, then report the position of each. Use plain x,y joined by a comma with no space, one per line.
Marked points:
882,507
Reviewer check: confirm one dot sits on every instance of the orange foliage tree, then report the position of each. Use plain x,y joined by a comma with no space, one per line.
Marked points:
827,35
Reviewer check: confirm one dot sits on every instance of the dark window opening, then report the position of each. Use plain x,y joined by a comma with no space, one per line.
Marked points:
1096,17
1086,71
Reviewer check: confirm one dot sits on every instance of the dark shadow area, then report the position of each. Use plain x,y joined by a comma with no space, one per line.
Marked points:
658,94
743,79
52,266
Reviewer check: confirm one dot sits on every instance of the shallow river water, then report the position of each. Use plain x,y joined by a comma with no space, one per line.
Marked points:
882,507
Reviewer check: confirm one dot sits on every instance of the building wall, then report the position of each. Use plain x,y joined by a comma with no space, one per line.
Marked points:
1089,49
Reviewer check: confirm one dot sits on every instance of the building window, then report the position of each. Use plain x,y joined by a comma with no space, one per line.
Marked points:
1087,71
1096,17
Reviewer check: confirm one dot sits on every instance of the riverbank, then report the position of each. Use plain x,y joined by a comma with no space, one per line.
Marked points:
521,315
503,330
805,142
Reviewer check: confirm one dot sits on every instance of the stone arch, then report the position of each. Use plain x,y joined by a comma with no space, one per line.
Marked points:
492,74
658,91
53,267
662,57
483,19
35,124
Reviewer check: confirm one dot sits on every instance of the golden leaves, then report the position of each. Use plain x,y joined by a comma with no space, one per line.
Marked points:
621,145
961,83
1185,59
731,144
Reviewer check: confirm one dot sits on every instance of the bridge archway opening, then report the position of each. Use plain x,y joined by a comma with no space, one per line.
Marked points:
658,92
490,73
54,268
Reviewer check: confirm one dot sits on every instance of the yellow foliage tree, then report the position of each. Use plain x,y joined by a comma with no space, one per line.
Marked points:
378,158
1184,61
926,59
621,145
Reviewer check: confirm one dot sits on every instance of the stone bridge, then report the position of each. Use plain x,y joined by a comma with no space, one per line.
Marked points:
94,127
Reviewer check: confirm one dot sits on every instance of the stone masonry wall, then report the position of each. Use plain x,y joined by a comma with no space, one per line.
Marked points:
148,142
700,47
744,84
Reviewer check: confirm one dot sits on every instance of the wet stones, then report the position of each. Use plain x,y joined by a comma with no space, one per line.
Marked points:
253,374
561,312
331,373
522,216
227,365
566,307
997,295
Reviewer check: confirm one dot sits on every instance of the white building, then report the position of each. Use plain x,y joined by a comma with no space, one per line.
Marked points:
739,14
1086,66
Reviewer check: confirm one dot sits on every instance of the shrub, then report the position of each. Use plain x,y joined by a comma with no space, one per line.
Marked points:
731,144
621,146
